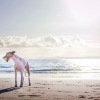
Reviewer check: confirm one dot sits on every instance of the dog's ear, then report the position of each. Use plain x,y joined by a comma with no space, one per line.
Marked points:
13,52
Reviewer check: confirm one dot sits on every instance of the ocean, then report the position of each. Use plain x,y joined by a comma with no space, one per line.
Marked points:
69,68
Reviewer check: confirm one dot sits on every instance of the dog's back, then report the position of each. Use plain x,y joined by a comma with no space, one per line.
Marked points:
20,61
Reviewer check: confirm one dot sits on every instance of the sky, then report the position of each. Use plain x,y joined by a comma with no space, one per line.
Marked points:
53,24
36,18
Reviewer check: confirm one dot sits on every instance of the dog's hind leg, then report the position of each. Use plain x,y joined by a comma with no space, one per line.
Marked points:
28,71
22,78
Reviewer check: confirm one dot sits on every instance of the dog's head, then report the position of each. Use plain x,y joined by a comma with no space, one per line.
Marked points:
8,56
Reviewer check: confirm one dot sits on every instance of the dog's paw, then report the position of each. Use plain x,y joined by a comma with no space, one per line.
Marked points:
15,85
21,85
30,84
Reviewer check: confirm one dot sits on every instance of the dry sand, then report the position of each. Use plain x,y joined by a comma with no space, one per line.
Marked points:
50,89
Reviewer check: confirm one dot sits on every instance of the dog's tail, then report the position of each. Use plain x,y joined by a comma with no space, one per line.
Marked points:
27,70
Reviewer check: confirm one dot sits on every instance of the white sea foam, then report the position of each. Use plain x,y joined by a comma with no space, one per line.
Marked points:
59,65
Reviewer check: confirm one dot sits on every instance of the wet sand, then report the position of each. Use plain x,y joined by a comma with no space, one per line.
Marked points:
50,89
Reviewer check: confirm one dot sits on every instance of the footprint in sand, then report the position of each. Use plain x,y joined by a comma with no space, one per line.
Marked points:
38,87
43,93
58,91
85,92
29,95
21,95
94,98
91,98
34,95
82,96
59,81
37,83
96,88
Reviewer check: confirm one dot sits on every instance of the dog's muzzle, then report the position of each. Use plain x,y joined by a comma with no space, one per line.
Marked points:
5,58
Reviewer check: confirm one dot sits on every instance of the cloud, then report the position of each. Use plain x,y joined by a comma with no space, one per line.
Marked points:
2,42
47,41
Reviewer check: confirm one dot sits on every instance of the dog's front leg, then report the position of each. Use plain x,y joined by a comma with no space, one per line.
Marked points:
15,78
22,78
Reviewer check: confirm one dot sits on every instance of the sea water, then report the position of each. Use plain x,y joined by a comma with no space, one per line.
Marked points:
63,68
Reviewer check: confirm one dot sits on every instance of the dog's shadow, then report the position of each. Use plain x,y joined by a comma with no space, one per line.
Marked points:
9,89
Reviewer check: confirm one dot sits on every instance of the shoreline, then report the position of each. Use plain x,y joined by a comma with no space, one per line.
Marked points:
70,76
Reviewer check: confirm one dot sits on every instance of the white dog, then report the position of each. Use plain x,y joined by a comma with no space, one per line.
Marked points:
20,64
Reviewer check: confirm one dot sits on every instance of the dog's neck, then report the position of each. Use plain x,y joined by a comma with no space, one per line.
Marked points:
14,58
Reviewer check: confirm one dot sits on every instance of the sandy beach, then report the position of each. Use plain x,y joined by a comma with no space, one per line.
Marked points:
50,88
